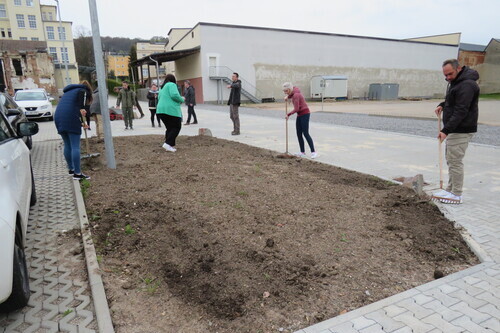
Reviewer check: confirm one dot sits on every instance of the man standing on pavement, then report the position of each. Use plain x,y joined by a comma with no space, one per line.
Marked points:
128,99
234,103
460,115
190,97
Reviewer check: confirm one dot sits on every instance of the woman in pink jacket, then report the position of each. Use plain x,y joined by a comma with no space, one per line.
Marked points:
303,114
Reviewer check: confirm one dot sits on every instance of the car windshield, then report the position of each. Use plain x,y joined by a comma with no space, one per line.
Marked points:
30,96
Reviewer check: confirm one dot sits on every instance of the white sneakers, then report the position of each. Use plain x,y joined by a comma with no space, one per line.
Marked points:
447,197
168,147
301,154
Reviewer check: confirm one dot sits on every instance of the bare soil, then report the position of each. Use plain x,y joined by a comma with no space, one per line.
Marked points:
225,237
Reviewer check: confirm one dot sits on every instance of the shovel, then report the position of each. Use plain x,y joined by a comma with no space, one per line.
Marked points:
286,154
440,155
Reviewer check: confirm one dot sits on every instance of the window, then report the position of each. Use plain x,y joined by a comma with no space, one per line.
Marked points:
9,33
3,11
17,67
50,16
62,33
64,55
32,21
20,21
29,3
44,16
23,38
53,54
17,2
5,133
50,33
144,72
161,70
2,32
35,38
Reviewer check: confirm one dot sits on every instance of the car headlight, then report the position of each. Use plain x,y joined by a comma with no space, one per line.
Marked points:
44,107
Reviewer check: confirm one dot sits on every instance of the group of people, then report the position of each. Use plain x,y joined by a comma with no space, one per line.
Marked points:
460,117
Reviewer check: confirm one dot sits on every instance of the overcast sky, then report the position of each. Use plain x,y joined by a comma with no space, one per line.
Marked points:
477,20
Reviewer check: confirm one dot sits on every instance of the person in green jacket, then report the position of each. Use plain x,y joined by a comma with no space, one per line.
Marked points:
129,101
169,111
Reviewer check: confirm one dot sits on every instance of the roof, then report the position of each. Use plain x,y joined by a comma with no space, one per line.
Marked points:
472,47
165,56
332,77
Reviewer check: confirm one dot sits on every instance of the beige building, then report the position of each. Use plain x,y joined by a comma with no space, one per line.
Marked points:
145,49
117,65
28,20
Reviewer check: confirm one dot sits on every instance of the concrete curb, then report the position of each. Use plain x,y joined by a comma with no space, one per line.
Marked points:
103,315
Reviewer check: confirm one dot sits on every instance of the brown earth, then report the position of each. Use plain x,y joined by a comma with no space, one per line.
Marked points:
225,237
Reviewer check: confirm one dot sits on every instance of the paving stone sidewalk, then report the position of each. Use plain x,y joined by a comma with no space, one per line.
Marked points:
60,293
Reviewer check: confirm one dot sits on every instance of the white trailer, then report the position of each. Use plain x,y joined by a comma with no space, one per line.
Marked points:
328,86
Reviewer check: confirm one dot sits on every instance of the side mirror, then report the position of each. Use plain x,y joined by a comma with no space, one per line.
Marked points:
51,99
13,112
27,129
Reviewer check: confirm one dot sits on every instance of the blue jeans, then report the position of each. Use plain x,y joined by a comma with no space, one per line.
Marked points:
302,126
72,151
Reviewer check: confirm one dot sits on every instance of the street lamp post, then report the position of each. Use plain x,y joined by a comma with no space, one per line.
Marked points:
68,81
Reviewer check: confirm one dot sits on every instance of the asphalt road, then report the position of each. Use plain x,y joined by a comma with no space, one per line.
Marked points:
488,135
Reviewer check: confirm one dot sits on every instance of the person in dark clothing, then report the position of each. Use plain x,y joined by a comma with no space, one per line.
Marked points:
190,97
303,115
153,102
69,121
234,102
128,99
460,114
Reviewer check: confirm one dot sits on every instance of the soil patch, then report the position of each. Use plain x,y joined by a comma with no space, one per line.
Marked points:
225,237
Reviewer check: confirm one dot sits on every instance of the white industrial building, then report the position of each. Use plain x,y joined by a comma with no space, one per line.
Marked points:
208,53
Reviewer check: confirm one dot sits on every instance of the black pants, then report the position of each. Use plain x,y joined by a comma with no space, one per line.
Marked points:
191,112
302,127
153,113
173,127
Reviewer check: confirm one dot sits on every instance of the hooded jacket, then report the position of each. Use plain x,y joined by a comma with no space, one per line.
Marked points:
68,117
152,96
299,103
235,94
460,108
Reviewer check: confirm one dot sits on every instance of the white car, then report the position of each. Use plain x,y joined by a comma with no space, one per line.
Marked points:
17,193
36,103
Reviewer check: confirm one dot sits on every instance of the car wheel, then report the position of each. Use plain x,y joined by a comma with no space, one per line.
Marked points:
20,284
33,190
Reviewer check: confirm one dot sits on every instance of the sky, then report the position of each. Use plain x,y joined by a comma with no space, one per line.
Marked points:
477,20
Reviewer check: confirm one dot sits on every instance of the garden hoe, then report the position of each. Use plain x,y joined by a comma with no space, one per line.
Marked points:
286,154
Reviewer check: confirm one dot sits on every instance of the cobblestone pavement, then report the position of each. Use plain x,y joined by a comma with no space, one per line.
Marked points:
60,294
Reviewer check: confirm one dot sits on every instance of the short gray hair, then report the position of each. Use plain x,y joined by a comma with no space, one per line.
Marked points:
287,85
452,62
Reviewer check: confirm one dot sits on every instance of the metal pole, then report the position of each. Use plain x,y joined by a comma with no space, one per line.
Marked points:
68,80
157,72
103,91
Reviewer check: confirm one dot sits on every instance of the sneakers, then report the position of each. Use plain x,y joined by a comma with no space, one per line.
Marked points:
314,154
168,147
126,128
195,123
80,177
235,133
440,194
185,124
300,154
71,172
142,116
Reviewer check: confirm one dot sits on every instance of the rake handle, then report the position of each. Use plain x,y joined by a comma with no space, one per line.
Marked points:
286,125
440,154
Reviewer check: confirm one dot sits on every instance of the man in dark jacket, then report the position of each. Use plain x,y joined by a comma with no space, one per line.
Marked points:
152,96
234,103
460,115
128,99
189,95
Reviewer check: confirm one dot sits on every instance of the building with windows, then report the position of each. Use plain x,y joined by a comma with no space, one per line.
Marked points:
117,65
146,48
29,21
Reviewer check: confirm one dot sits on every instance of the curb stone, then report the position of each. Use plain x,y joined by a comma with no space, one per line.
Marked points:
96,285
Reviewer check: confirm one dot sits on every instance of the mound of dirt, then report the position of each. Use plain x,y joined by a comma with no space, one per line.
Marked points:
225,237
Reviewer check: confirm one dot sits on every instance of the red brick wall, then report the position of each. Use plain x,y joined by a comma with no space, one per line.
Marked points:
470,58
